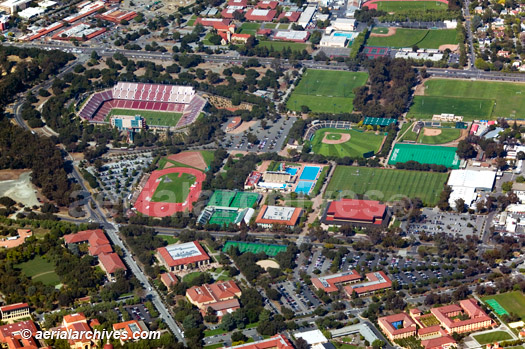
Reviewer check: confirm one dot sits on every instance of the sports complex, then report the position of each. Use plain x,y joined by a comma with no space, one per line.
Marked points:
506,303
255,247
227,207
403,37
427,133
160,105
340,143
425,154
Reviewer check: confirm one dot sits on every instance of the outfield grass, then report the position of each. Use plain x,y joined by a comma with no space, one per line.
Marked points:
39,269
513,302
447,135
406,134
316,85
395,6
497,99
156,118
281,45
175,190
388,185
359,143
249,28
422,38
492,337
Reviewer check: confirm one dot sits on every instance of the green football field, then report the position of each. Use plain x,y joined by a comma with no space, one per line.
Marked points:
422,38
394,6
447,135
173,187
512,302
325,91
425,154
154,118
359,143
497,99
385,185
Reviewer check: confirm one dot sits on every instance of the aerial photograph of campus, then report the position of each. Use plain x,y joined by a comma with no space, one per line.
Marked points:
262,174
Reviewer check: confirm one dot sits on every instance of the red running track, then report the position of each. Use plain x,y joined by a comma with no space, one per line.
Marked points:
163,209
373,3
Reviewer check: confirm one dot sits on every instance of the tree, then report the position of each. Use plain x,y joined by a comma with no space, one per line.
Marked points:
465,150
507,186
301,344
238,336
460,205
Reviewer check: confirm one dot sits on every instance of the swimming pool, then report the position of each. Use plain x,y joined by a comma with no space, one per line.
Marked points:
292,170
350,36
304,187
310,173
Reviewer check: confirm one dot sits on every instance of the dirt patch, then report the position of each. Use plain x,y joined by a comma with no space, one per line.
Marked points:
242,127
391,32
420,89
264,166
6,175
452,48
431,131
190,158
21,190
345,137
225,103
268,263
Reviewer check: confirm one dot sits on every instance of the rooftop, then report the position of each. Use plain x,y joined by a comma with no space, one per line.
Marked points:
179,254
329,282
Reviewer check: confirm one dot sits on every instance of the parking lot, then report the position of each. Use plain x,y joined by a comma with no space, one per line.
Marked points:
450,223
297,297
139,312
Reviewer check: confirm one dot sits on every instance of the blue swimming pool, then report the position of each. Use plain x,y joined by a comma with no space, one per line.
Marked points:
350,36
310,173
292,170
304,187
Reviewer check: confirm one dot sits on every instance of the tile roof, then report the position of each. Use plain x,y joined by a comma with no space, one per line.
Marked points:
353,209
216,292
164,253
14,306
11,335
111,262
97,240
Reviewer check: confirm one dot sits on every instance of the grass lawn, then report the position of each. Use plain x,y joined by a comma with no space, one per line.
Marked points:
189,277
388,185
345,346
424,107
316,85
169,239
447,135
492,337
191,21
406,134
207,156
215,332
394,6
429,320
281,45
513,302
214,346
299,203
157,118
422,38
270,25
283,26
39,269
175,189
249,28
484,99
359,143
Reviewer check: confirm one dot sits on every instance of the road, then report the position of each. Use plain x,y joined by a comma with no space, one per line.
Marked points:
468,26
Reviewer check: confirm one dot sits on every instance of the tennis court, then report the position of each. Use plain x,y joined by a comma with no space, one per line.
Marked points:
221,198
304,187
425,154
230,198
223,217
270,250
497,307
244,200
310,173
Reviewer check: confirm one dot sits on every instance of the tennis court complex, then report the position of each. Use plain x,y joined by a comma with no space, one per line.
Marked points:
223,217
497,307
230,198
270,250
425,154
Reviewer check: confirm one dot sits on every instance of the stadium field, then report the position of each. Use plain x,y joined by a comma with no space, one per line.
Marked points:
395,6
512,302
422,38
509,98
270,250
491,337
173,187
154,118
447,135
358,144
316,85
385,185
424,107
425,154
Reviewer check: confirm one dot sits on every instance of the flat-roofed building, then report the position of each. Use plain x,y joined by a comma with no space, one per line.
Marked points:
12,6
306,16
397,326
271,215
183,256
329,283
292,35
344,24
333,41
128,122
13,312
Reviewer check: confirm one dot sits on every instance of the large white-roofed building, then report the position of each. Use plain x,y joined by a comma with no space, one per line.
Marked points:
183,256
466,183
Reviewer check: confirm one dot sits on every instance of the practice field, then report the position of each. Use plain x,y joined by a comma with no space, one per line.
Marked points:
173,187
39,269
249,28
281,45
316,85
395,6
385,185
424,107
446,135
422,38
270,250
425,154
505,99
358,144
492,337
155,118
512,302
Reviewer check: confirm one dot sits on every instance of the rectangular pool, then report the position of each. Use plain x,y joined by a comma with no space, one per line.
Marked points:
292,170
304,187
310,173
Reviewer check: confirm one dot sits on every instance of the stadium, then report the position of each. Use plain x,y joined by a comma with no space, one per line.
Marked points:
170,100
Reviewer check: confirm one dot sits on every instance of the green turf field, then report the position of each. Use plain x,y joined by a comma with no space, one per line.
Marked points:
513,302
237,199
244,199
424,107
221,198
447,135
270,250
385,185
492,337
509,99
281,45
39,269
154,118
249,28
425,154
223,217
173,187
359,143
395,6
316,85
422,38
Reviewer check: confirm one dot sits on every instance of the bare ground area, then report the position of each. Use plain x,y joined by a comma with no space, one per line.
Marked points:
190,158
242,127
6,175
345,137
268,263
21,189
391,32
452,48
431,131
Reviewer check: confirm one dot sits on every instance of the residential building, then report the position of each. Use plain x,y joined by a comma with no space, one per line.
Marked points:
448,317
222,297
183,256
272,215
356,212
110,263
443,342
13,312
397,326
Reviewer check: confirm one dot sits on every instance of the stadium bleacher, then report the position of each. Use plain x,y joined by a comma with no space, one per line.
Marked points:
140,96
319,124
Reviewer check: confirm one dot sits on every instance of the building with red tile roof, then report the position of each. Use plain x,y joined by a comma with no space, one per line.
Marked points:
270,215
11,336
261,15
443,342
374,282
252,180
229,11
128,328
397,326
169,279
477,320
431,332
212,22
329,283
220,296
356,212
291,15
276,342
110,263
78,323
266,32
97,240
116,15
264,4
183,256
13,312
239,3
